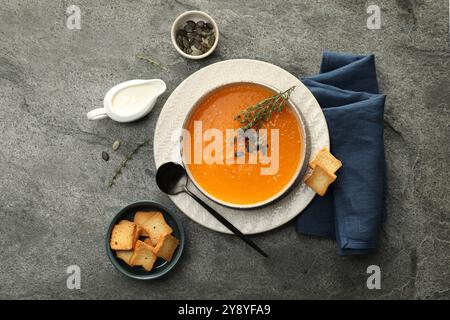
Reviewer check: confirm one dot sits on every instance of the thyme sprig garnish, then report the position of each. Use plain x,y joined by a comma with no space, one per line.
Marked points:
147,58
255,116
124,162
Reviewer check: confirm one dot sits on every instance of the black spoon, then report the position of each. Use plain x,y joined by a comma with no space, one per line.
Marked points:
172,179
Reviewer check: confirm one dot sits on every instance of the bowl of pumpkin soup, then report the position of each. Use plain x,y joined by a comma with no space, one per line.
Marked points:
239,153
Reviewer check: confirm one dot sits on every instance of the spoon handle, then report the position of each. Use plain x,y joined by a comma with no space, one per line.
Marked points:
227,224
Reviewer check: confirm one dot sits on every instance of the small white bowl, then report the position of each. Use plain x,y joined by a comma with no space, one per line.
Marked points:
195,16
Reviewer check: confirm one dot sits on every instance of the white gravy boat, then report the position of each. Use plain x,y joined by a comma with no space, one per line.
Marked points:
129,100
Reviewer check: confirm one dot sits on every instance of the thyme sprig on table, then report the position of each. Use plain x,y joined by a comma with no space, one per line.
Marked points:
147,58
124,162
255,116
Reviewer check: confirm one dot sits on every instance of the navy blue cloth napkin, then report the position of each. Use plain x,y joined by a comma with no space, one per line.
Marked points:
353,209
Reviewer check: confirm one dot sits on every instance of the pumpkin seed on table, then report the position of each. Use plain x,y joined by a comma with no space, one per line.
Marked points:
105,156
116,145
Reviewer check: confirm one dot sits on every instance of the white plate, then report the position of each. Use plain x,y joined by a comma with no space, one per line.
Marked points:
167,146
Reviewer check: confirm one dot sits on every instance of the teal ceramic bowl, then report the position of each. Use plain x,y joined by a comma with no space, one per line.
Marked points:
161,266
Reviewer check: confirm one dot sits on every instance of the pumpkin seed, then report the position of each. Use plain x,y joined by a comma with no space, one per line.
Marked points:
182,32
180,41
196,52
197,45
211,40
185,43
105,156
205,48
116,145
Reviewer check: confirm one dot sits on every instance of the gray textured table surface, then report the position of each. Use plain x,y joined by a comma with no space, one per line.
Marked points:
54,203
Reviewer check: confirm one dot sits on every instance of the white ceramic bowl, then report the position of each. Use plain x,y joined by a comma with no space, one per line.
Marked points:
195,16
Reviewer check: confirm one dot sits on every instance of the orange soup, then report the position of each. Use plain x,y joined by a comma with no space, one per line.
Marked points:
243,183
